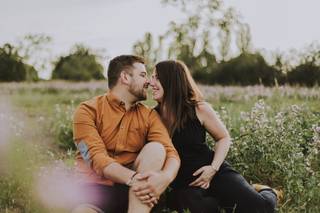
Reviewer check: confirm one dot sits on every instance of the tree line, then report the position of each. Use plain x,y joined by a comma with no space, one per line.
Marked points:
81,64
202,40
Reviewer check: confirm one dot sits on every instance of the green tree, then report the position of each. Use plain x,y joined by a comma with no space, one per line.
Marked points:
183,41
34,49
204,18
147,49
226,25
205,62
307,73
244,38
80,65
191,41
12,67
246,69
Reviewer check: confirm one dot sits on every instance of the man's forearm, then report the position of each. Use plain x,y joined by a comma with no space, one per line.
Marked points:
118,173
171,168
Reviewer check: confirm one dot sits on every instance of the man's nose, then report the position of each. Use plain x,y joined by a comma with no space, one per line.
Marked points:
147,84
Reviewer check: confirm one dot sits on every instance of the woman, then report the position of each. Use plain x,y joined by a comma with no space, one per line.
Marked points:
205,182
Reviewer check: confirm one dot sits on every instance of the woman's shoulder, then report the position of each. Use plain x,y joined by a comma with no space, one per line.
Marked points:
203,109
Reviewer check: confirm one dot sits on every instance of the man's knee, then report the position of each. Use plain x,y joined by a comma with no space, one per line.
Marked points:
155,152
152,155
155,147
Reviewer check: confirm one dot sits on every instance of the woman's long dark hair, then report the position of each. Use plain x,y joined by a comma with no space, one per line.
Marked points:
181,94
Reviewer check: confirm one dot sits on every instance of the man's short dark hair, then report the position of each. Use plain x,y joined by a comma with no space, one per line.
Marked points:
119,64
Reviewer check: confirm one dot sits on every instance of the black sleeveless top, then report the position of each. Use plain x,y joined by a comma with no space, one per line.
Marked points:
190,142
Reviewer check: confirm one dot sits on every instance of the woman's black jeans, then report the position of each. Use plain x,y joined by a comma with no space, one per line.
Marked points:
229,191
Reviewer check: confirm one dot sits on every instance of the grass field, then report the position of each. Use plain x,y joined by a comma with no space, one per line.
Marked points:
276,135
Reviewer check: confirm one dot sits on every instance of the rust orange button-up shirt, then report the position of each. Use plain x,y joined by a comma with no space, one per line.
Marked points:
104,132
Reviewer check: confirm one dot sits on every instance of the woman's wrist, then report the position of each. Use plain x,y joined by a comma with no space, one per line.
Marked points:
214,167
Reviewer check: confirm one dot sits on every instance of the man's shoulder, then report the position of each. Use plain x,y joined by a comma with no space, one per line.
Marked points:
89,108
92,104
94,101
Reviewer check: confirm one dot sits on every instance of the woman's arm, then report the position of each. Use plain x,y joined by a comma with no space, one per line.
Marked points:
217,130
211,122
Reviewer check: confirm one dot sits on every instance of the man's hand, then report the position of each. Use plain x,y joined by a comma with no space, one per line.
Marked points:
150,190
207,173
146,198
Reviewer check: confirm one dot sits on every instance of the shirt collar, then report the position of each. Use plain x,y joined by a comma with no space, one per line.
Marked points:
114,100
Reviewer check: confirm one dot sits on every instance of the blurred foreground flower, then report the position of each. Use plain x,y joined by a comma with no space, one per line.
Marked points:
59,187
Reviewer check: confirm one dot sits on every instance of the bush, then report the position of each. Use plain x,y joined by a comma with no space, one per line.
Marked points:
246,69
62,126
81,65
307,74
12,67
280,149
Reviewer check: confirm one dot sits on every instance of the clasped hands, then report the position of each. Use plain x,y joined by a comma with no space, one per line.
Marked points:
148,186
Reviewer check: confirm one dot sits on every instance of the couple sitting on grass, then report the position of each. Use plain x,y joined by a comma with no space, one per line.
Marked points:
129,154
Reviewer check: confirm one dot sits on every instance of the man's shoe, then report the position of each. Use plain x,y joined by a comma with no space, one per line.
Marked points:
278,192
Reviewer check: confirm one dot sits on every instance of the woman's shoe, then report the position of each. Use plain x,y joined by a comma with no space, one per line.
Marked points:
278,192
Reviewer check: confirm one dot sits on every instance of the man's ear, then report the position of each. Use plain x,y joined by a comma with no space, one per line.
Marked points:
124,78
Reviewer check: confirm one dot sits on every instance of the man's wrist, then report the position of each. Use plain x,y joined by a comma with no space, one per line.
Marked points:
131,180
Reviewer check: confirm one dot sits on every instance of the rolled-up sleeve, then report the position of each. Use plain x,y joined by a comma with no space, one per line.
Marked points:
158,132
88,141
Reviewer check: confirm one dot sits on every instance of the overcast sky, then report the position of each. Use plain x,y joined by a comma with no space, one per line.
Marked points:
115,25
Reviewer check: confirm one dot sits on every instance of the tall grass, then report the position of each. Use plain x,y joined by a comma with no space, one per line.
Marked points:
275,138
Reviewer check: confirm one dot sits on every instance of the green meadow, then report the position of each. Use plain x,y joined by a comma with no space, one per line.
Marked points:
275,131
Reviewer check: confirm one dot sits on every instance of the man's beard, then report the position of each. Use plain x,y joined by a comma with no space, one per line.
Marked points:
140,94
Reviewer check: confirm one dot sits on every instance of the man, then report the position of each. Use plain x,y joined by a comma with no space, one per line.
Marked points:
124,150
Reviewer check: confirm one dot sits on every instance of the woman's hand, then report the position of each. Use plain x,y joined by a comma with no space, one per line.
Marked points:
207,173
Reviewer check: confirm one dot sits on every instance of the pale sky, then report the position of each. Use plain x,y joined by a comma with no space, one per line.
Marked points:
114,25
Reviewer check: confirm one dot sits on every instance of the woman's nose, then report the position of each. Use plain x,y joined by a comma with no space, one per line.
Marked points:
151,83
